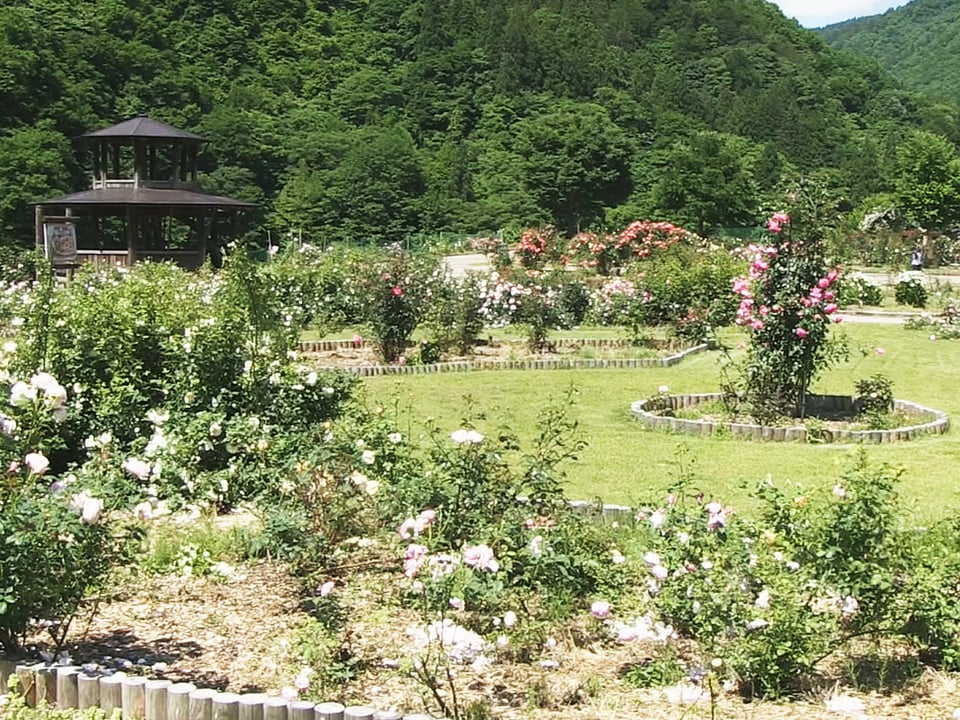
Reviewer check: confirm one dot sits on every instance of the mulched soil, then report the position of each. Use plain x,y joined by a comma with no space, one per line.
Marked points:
238,635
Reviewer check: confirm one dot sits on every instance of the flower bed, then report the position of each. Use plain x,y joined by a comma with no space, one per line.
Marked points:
649,412
487,363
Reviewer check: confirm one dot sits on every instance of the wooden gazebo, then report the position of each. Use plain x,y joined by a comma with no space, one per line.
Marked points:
145,202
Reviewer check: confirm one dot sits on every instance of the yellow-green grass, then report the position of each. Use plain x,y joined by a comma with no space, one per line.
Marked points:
626,463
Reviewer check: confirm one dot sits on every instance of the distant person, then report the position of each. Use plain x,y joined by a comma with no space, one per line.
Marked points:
916,260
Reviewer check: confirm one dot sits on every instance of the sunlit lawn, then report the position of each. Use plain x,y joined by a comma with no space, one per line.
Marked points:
626,463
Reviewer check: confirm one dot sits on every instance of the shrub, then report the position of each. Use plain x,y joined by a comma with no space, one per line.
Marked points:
774,597
855,289
911,291
61,536
393,288
787,305
874,399
455,313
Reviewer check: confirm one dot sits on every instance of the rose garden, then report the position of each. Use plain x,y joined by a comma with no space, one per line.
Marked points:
438,560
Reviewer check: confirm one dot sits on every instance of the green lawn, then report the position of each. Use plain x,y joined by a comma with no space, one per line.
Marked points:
626,463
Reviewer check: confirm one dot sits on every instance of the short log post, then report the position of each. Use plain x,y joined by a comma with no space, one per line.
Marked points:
387,715
68,679
133,697
88,691
27,676
111,693
155,699
226,706
47,685
7,668
300,710
274,708
358,712
201,704
251,706
178,701
328,711
417,716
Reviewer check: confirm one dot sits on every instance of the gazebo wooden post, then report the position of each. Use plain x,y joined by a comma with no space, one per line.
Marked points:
131,236
38,226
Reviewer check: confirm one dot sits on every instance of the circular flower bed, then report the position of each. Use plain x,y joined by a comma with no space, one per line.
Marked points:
660,413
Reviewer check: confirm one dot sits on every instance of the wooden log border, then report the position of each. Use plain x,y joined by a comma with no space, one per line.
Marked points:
139,698
531,364
647,412
315,346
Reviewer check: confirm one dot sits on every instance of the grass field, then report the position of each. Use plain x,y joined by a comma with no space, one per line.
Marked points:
626,463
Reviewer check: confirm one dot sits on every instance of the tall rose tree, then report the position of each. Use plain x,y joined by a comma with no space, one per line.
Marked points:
787,304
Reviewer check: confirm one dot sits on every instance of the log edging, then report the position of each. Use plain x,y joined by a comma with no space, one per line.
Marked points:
531,364
646,411
137,697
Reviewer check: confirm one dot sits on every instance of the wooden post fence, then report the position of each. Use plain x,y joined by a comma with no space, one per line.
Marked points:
140,698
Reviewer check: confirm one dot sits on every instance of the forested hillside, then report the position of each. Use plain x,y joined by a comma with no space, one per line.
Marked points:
373,119
919,44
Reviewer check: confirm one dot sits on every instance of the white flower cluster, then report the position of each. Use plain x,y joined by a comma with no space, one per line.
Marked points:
458,643
43,387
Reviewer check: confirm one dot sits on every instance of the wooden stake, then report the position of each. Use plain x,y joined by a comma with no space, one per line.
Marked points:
225,706
133,697
68,678
111,693
178,701
201,704
274,708
155,699
328,711
88,691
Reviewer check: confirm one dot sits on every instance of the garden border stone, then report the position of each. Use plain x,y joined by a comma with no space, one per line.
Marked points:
532,364
644,411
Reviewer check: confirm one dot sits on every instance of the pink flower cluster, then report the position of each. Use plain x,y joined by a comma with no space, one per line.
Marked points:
817,304
775,224
481,557
645,236
415,527
748,313
533,244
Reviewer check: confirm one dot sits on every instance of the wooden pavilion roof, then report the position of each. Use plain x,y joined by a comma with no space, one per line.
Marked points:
143,127
125,196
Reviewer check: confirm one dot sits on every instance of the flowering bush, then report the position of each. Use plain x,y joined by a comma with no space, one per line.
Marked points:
611,303
772,598
945,325
61,537
535,246
456,313
533,302
640,239
855,289
911,291
393,289
787,304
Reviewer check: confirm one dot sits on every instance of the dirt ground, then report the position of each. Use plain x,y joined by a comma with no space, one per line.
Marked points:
238,634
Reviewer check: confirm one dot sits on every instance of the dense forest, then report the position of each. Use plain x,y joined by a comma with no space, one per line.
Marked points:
372,120
918,43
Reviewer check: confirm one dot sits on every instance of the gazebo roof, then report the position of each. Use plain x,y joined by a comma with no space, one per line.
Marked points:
147,197
143,127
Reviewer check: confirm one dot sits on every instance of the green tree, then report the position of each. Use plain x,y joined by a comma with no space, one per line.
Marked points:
575,161
33,166
707,182
374,194
928,180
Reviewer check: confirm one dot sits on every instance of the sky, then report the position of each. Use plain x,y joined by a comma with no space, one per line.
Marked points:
817,13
